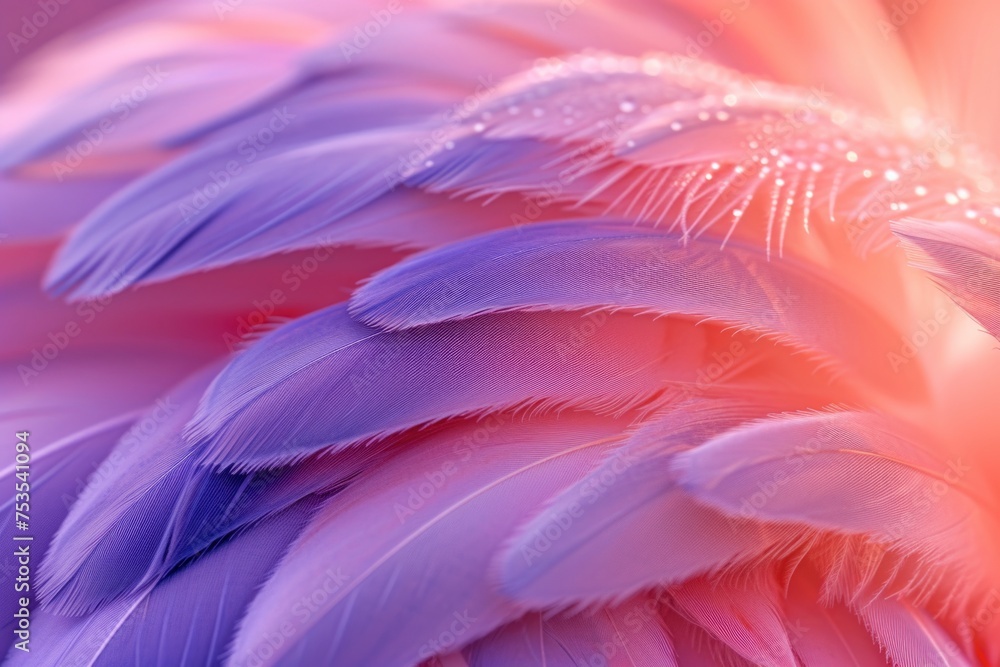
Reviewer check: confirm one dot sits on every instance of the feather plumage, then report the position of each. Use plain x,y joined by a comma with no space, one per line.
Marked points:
859,473
428,503
273,403
625,344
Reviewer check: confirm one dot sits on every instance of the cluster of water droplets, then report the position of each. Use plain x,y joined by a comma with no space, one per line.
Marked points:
690,143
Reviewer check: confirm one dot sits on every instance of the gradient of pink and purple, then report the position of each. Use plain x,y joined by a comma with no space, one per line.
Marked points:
482,333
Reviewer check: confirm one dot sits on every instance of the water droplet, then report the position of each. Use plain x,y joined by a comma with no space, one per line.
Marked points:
478,127
920,190
626,107
729,100
962,193
675,126
852,156
951,198
891,175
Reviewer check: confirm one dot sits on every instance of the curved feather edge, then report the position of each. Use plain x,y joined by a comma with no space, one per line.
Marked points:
863,475
569,554
327,382
747,618
632,633
909,637
963,259
191,612
589,264
426,544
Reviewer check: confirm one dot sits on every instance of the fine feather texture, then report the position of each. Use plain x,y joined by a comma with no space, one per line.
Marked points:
569,552
591,264
826,635
696,647
748,619
184,619
857,473
565,433
134,497
632,633
220,503
62,464
428,505
152,494
599,149
326,381
135,246
910,637
963,259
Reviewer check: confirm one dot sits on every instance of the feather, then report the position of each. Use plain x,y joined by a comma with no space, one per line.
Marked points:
124,508
219,503
826,636
424,506
592,264
571,552
184,619
856,473
289,200
199,213
632,634
960,257
116,243
909,636
696,647
749,620
326,381
56,476
151,507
